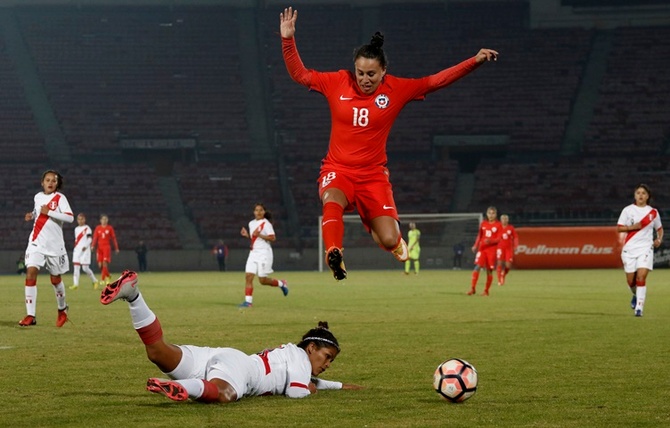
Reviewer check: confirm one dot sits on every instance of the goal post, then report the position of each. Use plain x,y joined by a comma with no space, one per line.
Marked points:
439,234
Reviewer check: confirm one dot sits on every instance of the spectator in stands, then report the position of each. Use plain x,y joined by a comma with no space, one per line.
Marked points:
220,250
485,249
509,240
225,375
103,238
459,249
262,234
364,104
46,246
141,251
414,248
639,221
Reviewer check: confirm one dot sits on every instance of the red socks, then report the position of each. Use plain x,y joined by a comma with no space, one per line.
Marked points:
332,225
210,394
151,333
475,278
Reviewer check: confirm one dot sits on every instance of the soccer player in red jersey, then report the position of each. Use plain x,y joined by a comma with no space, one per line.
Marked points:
103,238
485,248
509,240
364,103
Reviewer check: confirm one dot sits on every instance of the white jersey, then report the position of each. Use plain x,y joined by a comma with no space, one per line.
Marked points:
641,239
285,370
83,236
264,227
47,234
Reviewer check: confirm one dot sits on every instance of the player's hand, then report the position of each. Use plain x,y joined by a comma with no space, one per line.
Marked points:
28,216
486,55
657,243
312,388
287,22
44,210
244,232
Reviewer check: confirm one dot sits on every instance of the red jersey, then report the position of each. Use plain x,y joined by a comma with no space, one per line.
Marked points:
360,123
489,235
508,238
104,236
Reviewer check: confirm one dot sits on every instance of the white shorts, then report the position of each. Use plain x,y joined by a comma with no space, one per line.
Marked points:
80,257
55,265
229,364
259,263
634,260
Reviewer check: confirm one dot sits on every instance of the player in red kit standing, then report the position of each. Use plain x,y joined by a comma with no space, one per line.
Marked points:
485,248
363,105
509,240
46,247
103,238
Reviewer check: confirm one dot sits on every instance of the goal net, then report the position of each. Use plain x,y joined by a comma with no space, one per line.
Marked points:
439,234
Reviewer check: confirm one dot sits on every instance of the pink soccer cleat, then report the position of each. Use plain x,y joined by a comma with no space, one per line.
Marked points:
123,288
170,389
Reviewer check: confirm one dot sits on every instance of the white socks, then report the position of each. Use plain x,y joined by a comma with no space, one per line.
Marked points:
194,387
140,313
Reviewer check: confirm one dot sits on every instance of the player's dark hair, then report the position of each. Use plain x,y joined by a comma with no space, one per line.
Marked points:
268,214
373,50
319,336
646,188
59,178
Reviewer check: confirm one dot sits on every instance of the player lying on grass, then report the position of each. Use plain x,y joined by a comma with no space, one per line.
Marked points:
224,375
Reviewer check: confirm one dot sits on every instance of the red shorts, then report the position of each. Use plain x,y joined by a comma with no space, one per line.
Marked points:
486,258
505,255
104,254
369,191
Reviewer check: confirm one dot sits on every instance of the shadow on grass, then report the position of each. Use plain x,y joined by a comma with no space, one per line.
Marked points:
595,314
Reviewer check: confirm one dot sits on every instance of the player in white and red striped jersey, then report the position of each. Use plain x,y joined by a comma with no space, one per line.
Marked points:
224,375
485,249
262,234
364,105
509,241
639,221
81,254
46,247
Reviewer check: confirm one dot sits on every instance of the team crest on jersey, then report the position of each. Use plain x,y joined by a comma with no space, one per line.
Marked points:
382,101
53,205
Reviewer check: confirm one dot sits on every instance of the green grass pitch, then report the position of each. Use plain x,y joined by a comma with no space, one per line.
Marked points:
552,348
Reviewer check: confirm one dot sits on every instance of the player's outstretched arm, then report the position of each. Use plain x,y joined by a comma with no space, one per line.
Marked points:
486,55
287,22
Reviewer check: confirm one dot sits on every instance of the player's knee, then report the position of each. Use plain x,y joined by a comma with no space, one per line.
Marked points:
55,279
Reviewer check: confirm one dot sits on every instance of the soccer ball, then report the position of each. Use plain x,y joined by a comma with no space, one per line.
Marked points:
455,380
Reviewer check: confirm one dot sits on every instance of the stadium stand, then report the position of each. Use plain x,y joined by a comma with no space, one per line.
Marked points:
152,71
220,197
112,72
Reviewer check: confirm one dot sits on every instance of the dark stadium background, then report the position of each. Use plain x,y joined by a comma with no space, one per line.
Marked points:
175,117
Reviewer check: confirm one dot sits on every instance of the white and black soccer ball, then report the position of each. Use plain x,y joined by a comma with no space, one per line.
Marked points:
455,380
